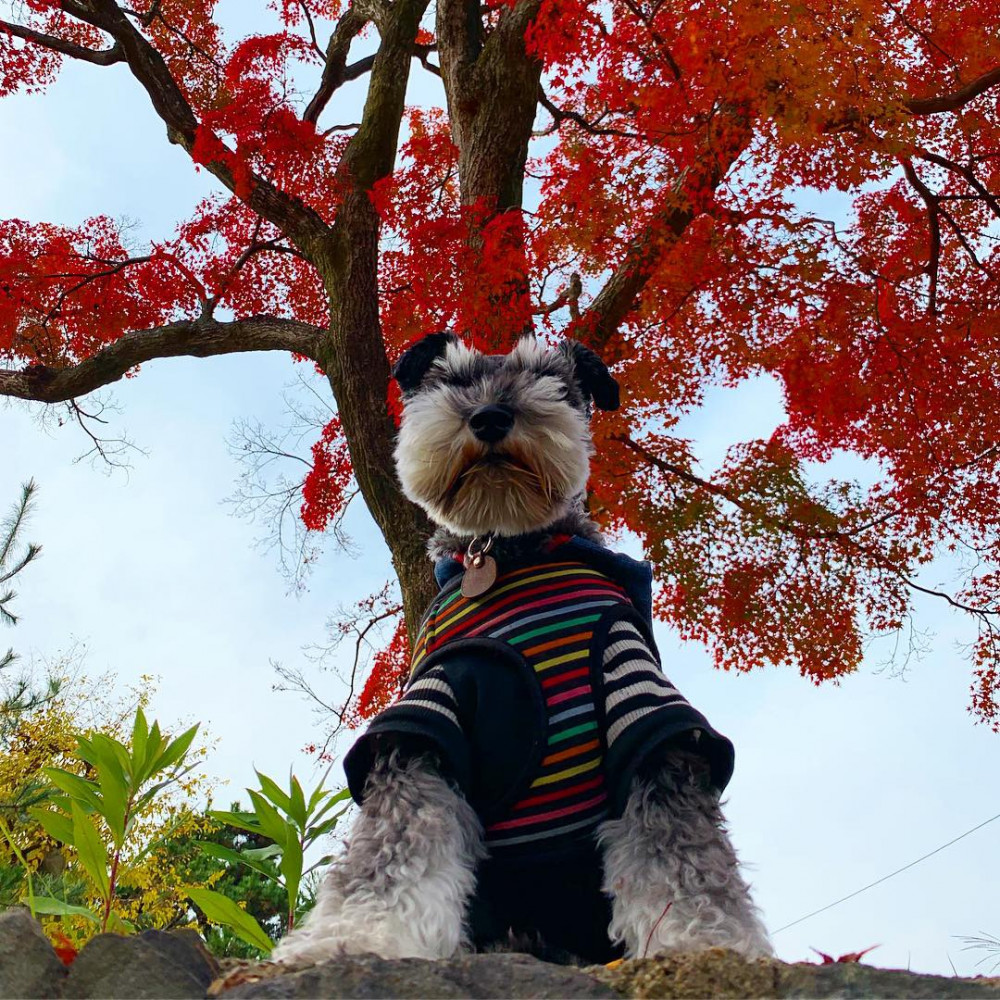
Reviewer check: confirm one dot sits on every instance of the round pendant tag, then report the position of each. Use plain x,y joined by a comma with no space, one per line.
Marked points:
480,575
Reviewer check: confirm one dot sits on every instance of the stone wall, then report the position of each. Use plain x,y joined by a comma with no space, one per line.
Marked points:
176,965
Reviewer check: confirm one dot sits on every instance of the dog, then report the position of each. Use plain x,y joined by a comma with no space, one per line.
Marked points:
539,784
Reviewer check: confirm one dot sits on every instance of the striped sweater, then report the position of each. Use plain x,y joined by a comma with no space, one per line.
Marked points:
542,697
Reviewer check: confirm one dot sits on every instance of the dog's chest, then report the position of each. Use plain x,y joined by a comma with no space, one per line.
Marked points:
546,614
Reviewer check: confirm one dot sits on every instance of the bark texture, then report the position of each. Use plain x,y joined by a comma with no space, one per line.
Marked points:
201,338
353,354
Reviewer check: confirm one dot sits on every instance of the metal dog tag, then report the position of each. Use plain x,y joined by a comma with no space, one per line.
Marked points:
480,575
480,568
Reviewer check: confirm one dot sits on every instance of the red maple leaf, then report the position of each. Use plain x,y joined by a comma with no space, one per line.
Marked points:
851,956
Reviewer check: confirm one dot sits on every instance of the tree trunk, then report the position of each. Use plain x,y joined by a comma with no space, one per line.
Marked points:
355,362
492,89
353,354
494,117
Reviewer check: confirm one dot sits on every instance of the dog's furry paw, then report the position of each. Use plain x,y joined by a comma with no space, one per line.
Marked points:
359,930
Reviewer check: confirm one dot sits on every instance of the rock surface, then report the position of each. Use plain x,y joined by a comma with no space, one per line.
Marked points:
718,973
176,964
28,965
365,976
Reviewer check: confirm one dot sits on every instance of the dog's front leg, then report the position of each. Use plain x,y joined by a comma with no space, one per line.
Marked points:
672,871
402,888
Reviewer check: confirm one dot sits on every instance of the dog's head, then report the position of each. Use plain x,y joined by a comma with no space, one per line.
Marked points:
497,443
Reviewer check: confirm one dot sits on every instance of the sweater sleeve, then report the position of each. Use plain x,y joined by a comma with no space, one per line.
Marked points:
426,717
644,712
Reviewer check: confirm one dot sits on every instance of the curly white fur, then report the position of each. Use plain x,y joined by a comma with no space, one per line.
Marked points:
402,888
673,872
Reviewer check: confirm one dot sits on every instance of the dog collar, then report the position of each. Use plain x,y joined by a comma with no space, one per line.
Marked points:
480,567
552,543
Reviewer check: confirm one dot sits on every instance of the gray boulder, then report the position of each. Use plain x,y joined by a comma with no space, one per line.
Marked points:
177,965
28,965
172,965
853,980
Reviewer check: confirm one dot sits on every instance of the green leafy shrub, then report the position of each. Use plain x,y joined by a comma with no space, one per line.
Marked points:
287,824
261,896
97,815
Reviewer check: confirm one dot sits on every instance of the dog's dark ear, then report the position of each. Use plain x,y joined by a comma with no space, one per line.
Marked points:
413,365
592,375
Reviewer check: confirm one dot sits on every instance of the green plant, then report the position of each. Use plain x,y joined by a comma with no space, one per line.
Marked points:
10,564
10,877
97,816
258,895
17,697
292,823
986,943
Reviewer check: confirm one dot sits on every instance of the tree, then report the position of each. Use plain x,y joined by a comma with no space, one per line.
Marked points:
630,173
17,696
14,559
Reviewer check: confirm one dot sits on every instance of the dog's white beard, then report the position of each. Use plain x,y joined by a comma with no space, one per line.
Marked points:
504,499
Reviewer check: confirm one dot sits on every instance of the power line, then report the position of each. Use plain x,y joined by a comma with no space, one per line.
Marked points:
885,878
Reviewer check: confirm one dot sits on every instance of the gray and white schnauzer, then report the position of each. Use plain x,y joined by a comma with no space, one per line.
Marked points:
539,783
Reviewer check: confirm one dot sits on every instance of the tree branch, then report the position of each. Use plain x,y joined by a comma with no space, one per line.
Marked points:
925,37
559,115
956,99
963,171
658,40
934,228
799,529
492,88
692,191
422,52
502,92
459,31
299,222
371,153
354,356
335,67
99,57
312,26
199,338
569,296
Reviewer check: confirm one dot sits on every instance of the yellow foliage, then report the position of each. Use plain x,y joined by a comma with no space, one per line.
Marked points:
151,889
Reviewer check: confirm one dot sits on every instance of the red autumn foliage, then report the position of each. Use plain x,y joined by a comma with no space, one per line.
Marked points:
325,486
851,957
63,947
806,193
389,669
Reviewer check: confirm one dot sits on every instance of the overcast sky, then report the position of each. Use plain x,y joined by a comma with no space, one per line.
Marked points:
835,787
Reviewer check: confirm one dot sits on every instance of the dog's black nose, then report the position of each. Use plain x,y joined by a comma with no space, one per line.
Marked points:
492,423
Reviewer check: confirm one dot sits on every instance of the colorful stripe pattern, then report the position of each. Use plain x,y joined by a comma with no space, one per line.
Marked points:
547,613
